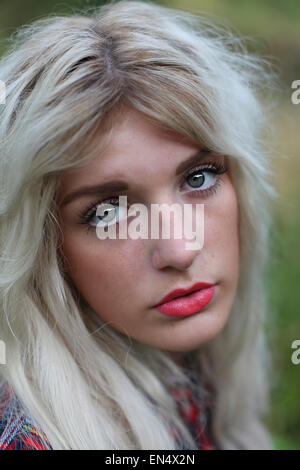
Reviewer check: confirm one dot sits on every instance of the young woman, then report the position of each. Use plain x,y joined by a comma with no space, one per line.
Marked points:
132,99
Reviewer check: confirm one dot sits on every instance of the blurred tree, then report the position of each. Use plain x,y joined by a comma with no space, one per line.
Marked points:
14,13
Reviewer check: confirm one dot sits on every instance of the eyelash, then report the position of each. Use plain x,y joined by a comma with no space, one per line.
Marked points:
216,168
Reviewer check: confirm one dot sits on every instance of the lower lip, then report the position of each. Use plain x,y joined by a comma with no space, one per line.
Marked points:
188,305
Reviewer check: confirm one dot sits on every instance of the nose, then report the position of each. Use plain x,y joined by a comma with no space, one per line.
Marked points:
172,252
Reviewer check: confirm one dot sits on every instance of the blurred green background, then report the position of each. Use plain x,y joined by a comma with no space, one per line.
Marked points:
275,27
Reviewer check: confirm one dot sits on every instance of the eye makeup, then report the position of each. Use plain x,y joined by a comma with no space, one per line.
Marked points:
211,170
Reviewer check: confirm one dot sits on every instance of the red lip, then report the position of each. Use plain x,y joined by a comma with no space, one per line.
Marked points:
181,292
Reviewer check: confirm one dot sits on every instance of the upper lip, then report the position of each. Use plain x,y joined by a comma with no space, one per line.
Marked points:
180,292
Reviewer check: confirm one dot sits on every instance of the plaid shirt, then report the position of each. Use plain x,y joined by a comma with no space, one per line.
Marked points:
17,431
195,407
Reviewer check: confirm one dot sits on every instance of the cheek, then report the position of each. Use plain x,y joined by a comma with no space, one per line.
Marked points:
106,266
221,231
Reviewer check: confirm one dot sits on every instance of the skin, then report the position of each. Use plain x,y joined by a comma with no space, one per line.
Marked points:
123,279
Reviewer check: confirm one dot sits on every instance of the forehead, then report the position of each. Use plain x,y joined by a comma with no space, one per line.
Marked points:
135,144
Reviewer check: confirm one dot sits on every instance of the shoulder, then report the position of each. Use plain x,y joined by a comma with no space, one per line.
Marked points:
17,431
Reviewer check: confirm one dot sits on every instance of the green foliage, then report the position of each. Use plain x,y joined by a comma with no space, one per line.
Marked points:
284,298
282,443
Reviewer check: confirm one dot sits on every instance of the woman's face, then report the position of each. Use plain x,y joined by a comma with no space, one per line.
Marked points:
123,279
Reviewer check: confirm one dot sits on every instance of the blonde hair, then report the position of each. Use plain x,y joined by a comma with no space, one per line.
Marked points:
86,385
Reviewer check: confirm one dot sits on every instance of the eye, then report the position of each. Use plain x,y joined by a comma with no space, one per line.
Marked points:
204,179
108,211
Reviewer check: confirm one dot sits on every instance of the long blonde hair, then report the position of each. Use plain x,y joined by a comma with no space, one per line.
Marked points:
86,385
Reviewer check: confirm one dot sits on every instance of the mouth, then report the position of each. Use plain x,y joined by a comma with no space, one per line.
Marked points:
183,302
182,292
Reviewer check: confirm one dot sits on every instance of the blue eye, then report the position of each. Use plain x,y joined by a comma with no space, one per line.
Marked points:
108,217
204,179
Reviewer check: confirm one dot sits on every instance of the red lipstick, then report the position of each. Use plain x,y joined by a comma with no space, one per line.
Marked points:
183,302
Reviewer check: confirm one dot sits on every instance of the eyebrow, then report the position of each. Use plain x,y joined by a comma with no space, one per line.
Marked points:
119,185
